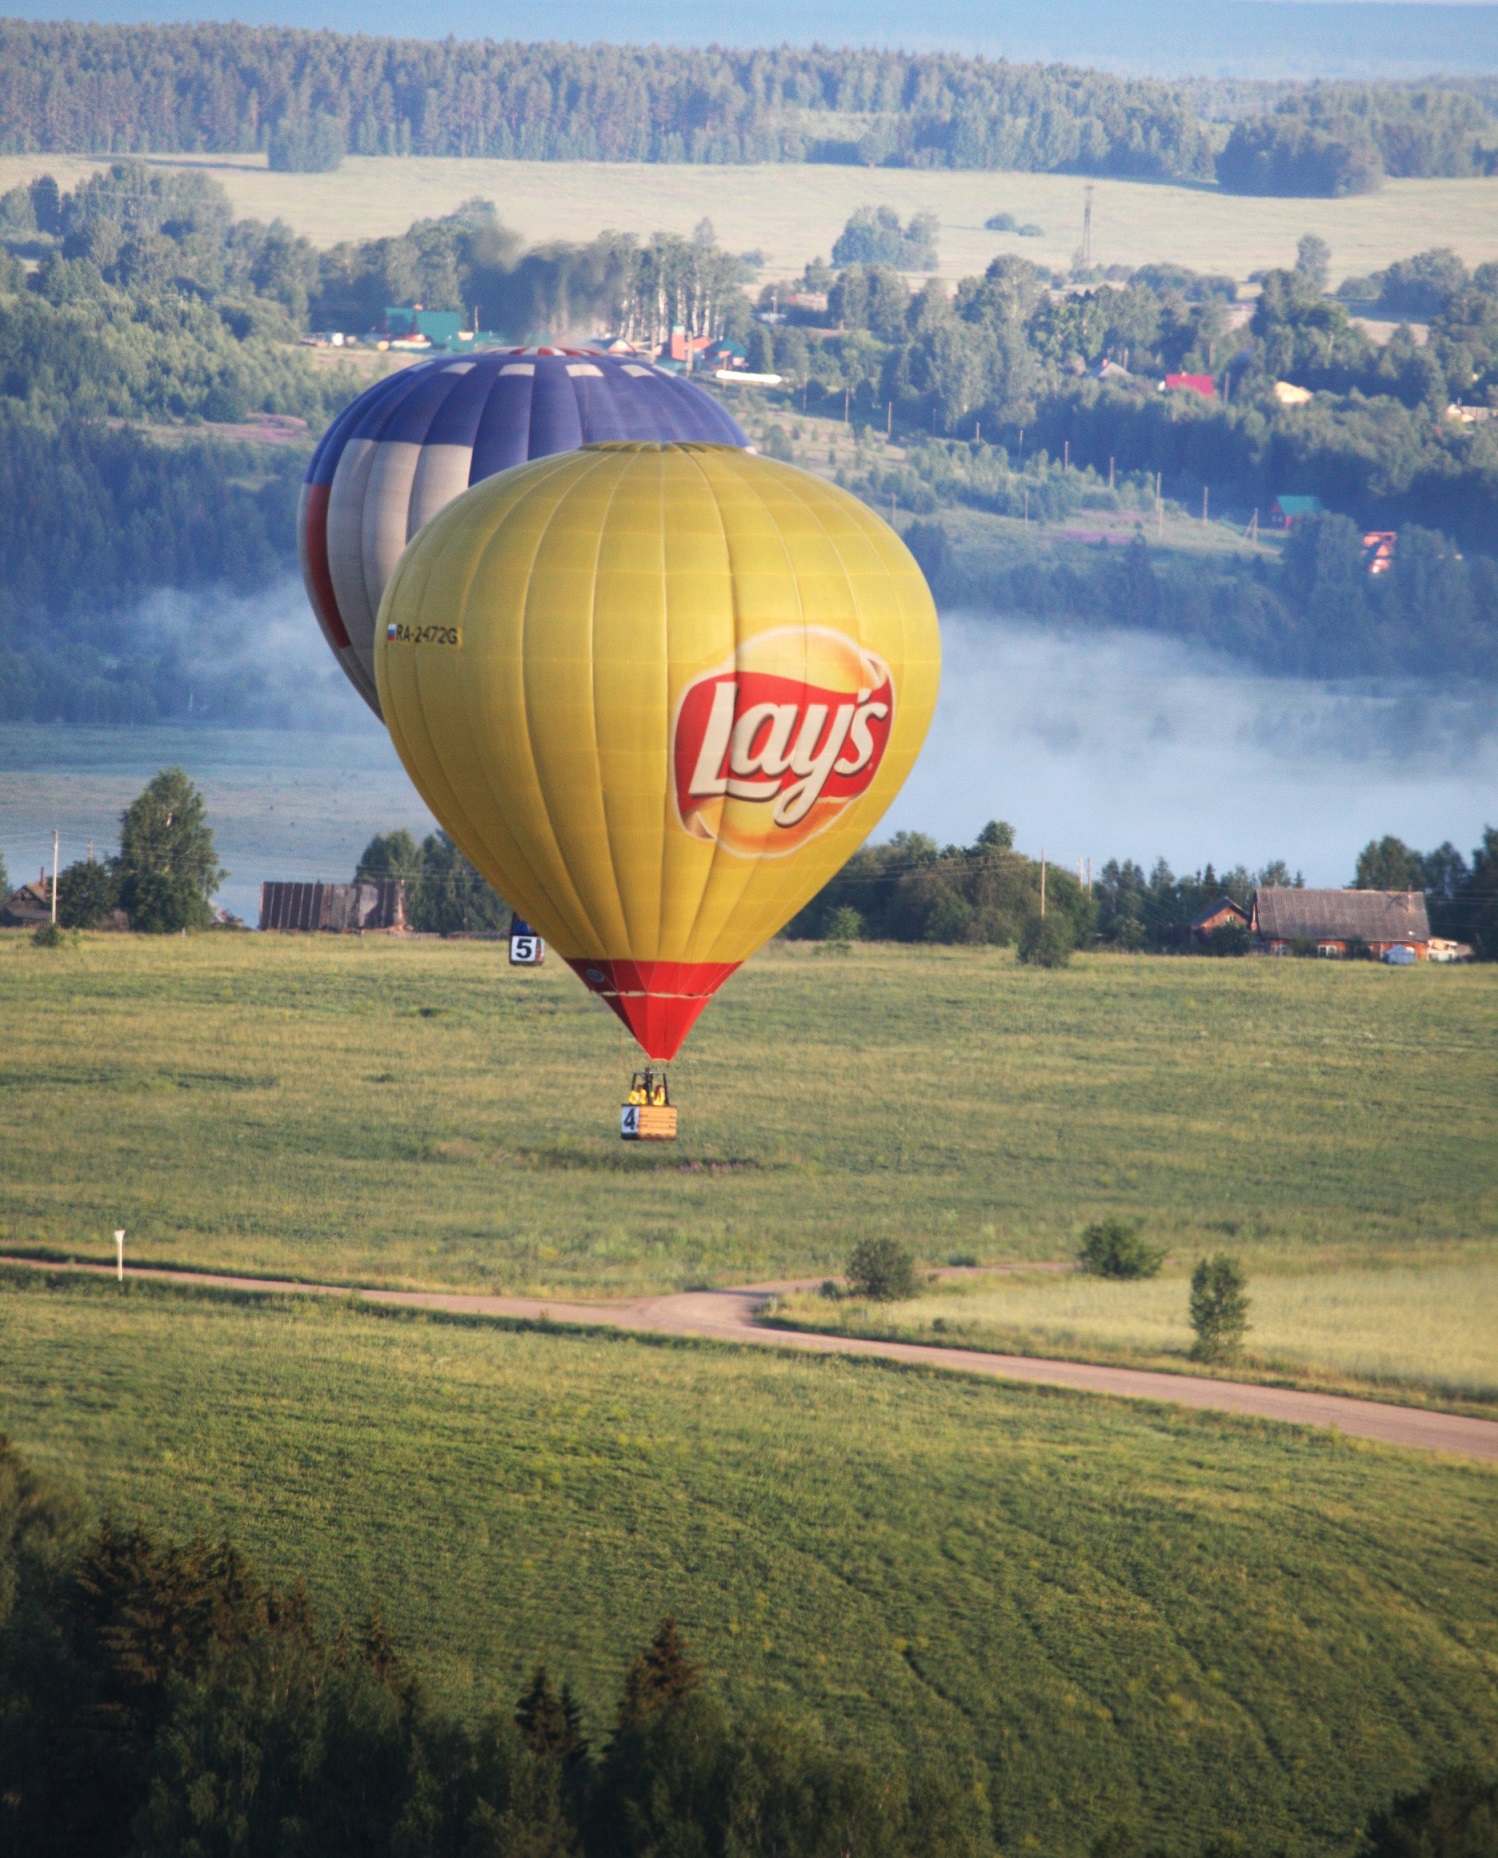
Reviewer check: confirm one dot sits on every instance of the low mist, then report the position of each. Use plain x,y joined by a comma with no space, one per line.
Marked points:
256,660
1120,744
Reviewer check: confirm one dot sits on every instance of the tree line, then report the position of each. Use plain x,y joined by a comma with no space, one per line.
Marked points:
162,1698
308,97
909,889
444,893
1335,139
131,89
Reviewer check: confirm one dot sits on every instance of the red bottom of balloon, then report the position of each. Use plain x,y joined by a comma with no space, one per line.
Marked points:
658,1000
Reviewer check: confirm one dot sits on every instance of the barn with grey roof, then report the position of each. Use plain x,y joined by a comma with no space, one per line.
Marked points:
1340,922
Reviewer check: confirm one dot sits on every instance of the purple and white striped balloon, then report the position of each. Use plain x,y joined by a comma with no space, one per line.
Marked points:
415,440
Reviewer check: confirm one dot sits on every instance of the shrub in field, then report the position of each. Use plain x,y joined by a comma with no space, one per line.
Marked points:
1046,942
1230,939
844,925
1219,1307
1117,1248
882,1270
48,935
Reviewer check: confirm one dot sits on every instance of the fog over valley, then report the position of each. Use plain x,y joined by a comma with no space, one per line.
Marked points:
1093,744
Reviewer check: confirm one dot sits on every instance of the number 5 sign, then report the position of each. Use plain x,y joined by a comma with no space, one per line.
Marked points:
527,950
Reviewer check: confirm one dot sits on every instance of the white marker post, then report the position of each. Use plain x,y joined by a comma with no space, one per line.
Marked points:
119,1247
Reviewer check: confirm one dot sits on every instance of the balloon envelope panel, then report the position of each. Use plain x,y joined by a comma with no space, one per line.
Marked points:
417,439
659,695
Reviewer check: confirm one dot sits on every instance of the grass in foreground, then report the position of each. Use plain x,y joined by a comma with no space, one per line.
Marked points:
420,1113
1123,1611
1428,1326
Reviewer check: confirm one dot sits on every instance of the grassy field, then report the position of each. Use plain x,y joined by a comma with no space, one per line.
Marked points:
1124,1611
1429,1322
793,215
418,1113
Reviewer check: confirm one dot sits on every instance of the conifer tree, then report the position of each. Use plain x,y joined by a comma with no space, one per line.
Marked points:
661,1676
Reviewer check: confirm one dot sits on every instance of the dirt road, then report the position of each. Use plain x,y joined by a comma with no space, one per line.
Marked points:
733,1316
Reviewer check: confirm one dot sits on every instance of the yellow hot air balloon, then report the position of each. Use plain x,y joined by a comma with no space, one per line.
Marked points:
658,693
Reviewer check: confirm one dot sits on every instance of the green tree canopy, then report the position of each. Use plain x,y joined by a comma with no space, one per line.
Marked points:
1389,864
167,865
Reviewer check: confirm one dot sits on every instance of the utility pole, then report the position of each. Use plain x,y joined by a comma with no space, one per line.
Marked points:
1066,454
1204,506
119,1249
54,876
1110,474
889,423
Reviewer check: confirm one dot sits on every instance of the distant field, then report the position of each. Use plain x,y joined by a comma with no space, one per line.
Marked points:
1125,1612
1432,1322
793,214
420,1113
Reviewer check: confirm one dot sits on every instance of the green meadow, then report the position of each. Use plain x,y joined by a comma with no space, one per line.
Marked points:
418,1113
792,214
1125,1612
1425,1324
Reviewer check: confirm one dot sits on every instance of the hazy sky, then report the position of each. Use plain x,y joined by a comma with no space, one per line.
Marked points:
1249,37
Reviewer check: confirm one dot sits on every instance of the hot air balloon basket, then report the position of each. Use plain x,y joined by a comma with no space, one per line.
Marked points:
647,1122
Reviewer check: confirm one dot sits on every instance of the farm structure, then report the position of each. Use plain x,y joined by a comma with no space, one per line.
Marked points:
27,907
1219,915
1339,923
1285,512
1202,384
336,909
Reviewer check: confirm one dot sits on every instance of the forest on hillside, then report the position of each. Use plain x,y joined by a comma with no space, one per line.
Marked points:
309,97
150,320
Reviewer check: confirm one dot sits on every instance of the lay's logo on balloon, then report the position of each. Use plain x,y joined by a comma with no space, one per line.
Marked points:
769,748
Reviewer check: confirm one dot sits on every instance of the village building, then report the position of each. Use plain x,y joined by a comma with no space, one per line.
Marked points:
1219,915
335,909
1202,384
1285,512
1339,923
28,907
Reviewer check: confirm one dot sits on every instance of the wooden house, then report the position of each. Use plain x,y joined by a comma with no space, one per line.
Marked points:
1338,923
1218,915
1285,512
29,906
